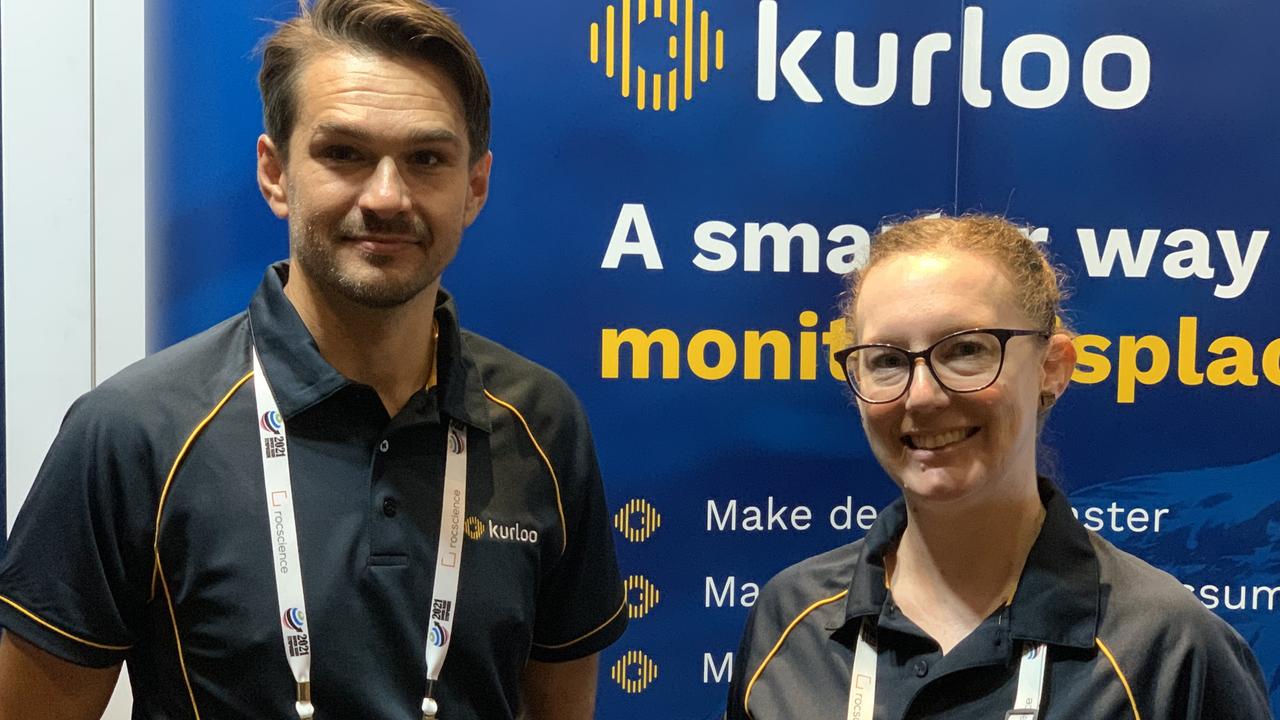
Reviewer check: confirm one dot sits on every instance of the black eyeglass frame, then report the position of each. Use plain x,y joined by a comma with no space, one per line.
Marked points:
1001,334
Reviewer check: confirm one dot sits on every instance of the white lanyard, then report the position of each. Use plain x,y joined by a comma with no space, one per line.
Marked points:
444,593
862,684
288,570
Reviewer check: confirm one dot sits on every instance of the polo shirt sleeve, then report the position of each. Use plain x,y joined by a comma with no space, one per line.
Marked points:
581,604
1225,680
75,577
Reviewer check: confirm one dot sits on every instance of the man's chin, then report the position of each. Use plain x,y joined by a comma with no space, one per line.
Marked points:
379,296
376,288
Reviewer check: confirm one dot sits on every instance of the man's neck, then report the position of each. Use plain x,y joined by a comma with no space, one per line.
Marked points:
954,567
389,349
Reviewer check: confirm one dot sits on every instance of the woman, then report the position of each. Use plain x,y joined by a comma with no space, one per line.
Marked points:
978,594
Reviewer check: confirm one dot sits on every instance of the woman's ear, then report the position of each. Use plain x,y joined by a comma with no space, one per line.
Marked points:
1059,364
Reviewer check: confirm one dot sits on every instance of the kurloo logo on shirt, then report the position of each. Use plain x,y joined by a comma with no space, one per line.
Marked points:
478,529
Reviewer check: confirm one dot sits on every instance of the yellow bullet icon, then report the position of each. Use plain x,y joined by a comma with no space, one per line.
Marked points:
634,672
641,596
637,520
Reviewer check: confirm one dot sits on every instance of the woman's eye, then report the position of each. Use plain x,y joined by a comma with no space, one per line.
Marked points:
886,361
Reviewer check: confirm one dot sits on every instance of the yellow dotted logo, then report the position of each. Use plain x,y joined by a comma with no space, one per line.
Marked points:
641,596
634,672
637,520
474,528
693,47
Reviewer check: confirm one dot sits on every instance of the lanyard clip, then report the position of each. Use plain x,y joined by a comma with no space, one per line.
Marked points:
429,708
305,709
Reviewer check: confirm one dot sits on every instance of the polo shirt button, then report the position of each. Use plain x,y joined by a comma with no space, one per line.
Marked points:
921,668
390,507
384,446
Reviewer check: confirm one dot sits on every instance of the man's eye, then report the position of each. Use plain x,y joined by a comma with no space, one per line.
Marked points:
425,158
340,153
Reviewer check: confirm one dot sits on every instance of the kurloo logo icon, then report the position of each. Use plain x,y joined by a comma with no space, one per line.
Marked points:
693,46
490,531
634,672
637,520
641,596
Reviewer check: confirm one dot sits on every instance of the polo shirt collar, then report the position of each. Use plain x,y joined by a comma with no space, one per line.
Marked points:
301,377
462,394
1058,594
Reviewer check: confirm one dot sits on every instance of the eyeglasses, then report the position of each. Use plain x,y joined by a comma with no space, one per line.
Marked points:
962,362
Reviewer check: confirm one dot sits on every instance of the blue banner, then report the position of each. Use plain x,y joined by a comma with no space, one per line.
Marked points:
678,187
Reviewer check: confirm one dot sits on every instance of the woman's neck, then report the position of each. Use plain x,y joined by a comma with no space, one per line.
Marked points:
955,566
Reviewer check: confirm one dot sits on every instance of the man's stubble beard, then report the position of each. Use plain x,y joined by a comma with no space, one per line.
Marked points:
316,253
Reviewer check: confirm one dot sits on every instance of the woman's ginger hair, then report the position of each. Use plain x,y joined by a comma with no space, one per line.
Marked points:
1037,284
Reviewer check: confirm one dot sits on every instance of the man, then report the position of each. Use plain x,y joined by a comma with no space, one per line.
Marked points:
337,502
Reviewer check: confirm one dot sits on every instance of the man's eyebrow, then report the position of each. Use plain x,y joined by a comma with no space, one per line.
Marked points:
416,137
350,131
434,136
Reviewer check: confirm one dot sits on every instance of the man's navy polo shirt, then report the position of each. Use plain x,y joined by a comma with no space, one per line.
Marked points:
1125,640
146,539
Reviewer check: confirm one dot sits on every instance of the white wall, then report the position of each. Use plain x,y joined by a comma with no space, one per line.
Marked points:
74,245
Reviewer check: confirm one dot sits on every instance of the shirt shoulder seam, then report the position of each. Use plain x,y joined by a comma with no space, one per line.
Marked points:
746,698
555,482
1133,704
173,470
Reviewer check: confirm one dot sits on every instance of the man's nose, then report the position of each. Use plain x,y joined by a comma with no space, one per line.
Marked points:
924,390
385,193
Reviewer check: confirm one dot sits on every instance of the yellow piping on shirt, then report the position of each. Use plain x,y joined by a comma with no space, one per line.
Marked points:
157,571
177,640
603,625
59,630
564,529
746,699
1123,680
173,470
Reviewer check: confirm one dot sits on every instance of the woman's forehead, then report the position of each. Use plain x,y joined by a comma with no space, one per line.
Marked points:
927,294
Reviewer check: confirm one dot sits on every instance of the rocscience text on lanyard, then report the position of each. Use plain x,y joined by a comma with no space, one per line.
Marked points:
288,569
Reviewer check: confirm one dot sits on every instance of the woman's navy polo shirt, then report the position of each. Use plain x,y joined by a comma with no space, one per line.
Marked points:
145,537
1126,641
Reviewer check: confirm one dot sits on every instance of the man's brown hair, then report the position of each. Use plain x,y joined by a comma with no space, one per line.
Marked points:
395,28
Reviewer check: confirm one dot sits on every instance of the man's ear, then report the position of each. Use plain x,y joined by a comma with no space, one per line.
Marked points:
478,187
271,177
1059,364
